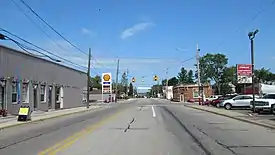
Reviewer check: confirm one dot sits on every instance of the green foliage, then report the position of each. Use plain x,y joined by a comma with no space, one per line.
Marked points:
156,89
185,76
212,67
229,75
124,79
264,75
171,82
131,90
95,82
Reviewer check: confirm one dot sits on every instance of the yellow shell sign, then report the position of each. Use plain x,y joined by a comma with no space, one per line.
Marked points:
106,77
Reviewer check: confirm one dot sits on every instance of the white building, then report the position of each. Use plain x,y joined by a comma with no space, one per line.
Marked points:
169,92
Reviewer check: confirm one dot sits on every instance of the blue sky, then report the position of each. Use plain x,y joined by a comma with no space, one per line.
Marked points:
145,34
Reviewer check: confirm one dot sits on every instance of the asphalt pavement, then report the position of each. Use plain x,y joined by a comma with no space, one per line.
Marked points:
141,126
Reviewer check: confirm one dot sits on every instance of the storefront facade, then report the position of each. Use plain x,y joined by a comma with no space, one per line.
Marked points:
183,93
38,83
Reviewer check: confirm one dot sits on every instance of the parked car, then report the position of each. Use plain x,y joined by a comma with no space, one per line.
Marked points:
237,101
264,104
216,102
212,97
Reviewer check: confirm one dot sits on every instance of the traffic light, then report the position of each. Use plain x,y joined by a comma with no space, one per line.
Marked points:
155,78
133,80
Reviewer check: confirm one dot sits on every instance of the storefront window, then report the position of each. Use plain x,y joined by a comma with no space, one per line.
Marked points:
25,92
42,93
14,92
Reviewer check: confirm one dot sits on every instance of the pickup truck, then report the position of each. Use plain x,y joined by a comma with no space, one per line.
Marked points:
264,104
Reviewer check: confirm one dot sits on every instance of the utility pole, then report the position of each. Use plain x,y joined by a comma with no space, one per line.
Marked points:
198,70
88,79
127,72
166,95
117,70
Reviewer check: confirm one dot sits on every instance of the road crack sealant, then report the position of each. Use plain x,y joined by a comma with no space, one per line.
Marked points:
129,125
216,141
194,138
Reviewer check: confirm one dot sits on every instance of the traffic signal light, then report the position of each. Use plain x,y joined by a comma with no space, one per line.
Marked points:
133,79
155,78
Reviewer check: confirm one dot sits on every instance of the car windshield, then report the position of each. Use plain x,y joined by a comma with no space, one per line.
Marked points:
140,77
269,96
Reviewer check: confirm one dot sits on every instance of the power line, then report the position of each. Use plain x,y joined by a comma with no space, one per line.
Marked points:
34,23
44,21
36,14
41,48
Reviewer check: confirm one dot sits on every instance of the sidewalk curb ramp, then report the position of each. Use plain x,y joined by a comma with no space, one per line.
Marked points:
233,117
43,119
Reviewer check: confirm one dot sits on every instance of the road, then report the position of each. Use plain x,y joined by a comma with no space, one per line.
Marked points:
142,126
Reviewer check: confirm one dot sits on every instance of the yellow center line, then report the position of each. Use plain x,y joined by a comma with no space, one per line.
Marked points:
73,138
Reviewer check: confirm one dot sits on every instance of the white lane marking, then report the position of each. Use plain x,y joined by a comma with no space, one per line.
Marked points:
153,110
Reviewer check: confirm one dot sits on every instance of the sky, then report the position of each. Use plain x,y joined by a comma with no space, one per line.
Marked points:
146,36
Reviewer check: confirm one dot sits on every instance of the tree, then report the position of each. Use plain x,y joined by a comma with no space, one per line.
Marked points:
171,82
156,89
95,82
131,90
124,81
264,75
229,75
228,78
190,77
212,67
185,76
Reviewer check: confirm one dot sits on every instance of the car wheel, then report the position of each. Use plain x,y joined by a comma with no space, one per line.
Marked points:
218,105
227,106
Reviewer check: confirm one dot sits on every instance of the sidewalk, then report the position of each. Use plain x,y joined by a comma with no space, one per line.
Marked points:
11,121
249,117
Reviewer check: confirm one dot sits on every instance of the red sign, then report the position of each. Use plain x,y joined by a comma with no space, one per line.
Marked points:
244,69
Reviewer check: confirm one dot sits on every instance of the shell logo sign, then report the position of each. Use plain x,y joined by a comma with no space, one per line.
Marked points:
106,78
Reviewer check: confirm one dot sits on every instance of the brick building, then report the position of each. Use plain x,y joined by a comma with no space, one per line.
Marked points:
183,93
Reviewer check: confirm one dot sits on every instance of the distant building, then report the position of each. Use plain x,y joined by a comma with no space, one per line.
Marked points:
41,84
168,93
183,93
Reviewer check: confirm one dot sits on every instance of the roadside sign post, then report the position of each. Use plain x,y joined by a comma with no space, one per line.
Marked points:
107,87
24,113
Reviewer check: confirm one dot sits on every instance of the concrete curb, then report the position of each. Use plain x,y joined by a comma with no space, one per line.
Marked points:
43,119
236,118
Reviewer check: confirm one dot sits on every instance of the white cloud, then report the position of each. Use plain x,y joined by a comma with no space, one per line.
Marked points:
85,31
135,29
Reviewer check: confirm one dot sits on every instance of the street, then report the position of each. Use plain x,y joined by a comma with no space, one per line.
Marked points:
140,126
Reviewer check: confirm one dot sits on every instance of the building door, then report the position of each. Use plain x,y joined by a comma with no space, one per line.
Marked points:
35,97
50,97
2,97
181,98
57,98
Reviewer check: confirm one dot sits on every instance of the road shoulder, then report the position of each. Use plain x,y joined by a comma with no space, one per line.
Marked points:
234,115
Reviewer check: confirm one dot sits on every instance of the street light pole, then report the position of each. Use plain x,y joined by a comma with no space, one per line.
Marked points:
251,36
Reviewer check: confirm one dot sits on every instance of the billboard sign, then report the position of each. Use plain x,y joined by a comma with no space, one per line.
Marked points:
244,73
244,69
